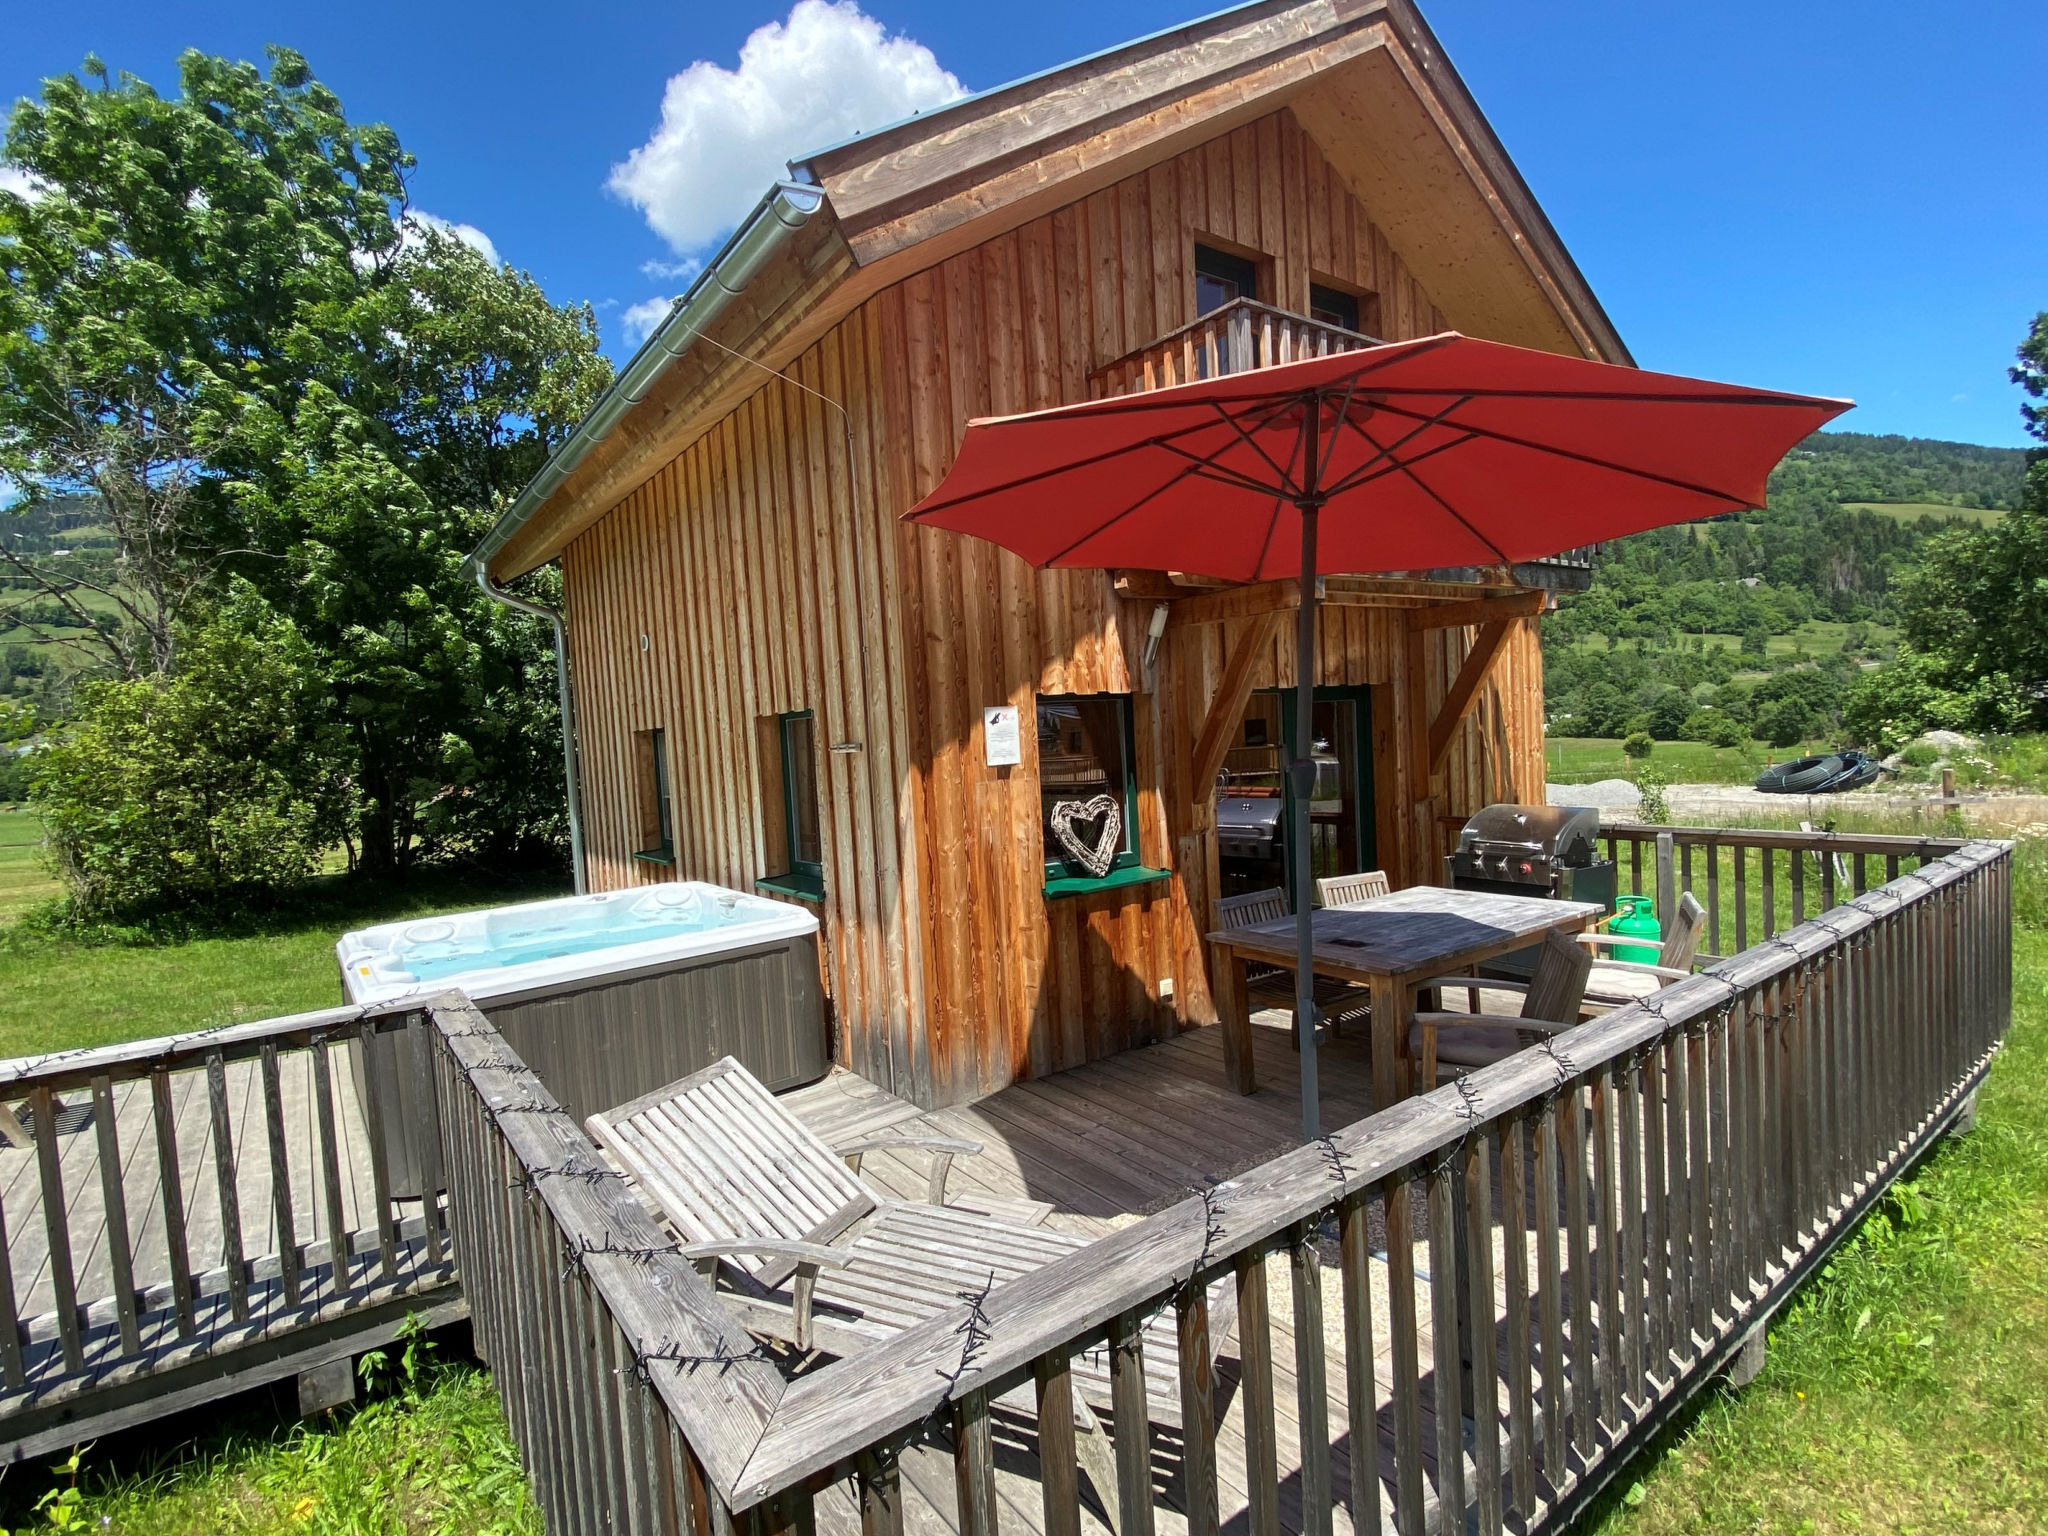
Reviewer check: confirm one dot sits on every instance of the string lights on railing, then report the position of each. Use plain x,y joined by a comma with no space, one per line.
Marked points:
973,1332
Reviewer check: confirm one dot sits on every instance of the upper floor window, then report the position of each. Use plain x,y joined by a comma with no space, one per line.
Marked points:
1221,277
1087,787
1333,306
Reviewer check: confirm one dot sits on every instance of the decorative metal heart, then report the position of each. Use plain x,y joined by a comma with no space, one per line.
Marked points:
1095,860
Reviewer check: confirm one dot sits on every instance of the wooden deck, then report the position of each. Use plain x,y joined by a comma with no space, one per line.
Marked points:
1106,1144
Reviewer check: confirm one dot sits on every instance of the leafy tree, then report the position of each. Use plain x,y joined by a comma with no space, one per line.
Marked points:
2031,374
356,397
221,778
1637,744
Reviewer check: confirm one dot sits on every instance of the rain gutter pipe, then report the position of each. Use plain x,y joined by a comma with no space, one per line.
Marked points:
787,208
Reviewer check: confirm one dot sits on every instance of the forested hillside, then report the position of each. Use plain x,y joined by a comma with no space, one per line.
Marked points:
1756,622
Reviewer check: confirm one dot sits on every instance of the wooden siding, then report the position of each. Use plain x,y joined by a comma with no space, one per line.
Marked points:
764,571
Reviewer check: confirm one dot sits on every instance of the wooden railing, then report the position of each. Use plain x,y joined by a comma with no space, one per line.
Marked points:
1754,882
206,1209
1240,335
1578,1238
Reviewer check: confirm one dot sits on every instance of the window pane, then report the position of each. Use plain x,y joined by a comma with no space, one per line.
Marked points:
1221,277
664,812
1081,765
800,762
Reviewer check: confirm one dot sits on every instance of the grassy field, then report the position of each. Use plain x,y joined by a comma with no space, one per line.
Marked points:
1816,638
1583,759
1913,511
60,994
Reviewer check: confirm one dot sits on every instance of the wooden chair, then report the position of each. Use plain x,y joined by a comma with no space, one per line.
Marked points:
1270,986
813,1256
1615,982
1550,1005
1350,890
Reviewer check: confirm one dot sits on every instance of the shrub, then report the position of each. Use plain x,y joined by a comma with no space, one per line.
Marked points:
1637,744
219,779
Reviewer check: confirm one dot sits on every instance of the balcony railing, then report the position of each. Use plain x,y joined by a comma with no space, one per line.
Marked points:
1243,335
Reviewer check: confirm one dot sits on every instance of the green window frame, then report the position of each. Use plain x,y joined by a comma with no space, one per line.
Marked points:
1074,724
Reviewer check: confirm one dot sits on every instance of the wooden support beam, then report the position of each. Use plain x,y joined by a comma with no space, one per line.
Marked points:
1227,708
1464,690
1246,602
1479,610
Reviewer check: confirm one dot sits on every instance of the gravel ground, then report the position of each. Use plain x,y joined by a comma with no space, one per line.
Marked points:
1711,804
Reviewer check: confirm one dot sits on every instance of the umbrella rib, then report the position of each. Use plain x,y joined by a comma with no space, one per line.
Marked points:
1430,492
1581,458
1164,440
1366,471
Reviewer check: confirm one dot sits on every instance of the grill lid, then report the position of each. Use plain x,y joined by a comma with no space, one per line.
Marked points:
1563,834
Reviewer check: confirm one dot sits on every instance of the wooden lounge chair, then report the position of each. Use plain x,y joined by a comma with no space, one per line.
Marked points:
1350,890
815,1257
1550,1005
1270,986
1615,982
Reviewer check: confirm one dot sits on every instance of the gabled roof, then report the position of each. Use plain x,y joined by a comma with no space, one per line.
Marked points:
1366,78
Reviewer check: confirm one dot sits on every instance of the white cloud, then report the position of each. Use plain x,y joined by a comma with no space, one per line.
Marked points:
19,182
639,320
468,234
825,74
685,268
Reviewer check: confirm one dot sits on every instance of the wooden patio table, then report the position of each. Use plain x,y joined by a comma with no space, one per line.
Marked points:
1391,944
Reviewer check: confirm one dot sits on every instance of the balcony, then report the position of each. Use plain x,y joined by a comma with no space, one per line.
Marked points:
1243,335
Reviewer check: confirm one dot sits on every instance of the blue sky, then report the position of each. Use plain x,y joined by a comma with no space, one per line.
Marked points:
1845,199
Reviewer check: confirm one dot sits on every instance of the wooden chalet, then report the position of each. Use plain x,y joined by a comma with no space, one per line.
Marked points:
776,684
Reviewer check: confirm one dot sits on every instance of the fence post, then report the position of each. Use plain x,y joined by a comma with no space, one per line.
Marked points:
1667,882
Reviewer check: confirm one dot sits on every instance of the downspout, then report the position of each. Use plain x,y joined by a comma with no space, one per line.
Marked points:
541,611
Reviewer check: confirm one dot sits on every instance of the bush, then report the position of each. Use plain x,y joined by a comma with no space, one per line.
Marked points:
219,779
1788,721
1637,744
1918,692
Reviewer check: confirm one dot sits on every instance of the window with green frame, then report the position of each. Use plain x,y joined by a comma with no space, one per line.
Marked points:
799,742
1088,790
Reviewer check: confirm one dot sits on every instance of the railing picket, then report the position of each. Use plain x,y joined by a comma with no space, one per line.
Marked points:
1261,1428
1741,899
1571,1135
1520,1359
1550,1302
1482,1367
280,1176
56,1224
1197,1412
1698,1169
1133,1425
338,1255
974,1466
12,1367
1797,861
1768,858
881,1490
1628,1092
1361,1389
1405,1362
1714,900
1607,1267
114,1198
223,1138
425,1136
1311,1380
1058,1468
1657,1341
171,1186
1446,1349
1678,1201
380,1168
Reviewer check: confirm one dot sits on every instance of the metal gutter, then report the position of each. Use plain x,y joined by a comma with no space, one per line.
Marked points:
553,616
788,207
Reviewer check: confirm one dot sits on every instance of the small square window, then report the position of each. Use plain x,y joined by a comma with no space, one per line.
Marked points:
1087,786
1221,277
1333,306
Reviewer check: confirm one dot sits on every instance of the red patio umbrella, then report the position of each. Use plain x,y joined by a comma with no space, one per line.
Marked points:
1446,451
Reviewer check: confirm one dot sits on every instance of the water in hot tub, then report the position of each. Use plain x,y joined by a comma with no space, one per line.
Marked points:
438,948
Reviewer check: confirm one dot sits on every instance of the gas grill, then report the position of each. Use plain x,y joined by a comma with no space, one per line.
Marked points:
1248,826
1532,850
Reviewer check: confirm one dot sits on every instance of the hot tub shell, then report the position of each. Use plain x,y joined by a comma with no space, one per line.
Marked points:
609,1024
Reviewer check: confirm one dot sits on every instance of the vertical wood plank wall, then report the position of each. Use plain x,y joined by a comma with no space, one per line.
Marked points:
764,571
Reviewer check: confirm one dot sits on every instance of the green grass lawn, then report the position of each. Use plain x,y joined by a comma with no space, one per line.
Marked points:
1583,759
1816,638
1913,511
59,993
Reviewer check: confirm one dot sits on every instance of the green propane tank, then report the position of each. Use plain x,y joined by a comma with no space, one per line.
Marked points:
1638,920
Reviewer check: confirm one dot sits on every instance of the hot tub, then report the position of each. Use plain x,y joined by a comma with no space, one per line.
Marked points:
610,996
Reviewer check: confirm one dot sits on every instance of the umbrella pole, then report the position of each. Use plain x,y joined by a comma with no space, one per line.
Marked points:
1304,768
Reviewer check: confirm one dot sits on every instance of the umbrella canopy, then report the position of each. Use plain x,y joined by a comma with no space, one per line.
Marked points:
1446,451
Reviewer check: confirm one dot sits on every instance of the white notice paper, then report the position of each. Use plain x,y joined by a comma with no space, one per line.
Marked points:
1000,737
